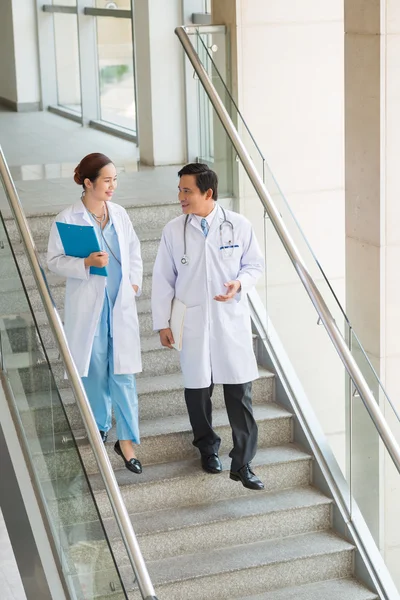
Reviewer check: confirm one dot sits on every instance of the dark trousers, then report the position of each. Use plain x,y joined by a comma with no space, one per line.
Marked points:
240,413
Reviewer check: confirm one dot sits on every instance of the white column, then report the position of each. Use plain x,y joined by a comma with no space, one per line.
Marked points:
390,286
364,230
8,82
160,77
372,58
19,82
26,55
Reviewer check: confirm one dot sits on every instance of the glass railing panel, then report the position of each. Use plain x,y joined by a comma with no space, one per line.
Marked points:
84,553
213,50
292,320
328,271
375,482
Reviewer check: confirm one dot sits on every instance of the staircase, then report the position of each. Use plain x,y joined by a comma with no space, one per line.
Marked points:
203,536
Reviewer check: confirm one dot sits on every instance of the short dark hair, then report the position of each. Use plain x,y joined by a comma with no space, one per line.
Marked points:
206,179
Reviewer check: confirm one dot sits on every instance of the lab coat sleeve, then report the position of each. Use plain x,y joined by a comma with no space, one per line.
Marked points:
135,259
59,263
252,262
163,285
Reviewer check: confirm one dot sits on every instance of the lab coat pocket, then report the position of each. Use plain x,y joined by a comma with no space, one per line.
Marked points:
234,315
193,326
230,252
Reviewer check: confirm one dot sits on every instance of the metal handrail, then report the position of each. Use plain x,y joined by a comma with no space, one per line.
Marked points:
100,453
316,298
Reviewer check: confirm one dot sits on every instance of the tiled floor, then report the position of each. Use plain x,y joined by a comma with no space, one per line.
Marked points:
42,138
10,581
42,150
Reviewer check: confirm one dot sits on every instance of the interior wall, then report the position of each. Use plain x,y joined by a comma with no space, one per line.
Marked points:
8,82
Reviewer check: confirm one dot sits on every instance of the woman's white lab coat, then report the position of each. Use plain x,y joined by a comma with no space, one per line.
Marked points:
84,294
217,339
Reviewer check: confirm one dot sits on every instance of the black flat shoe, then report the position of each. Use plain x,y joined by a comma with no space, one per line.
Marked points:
211,463
133,464
247,477
104,435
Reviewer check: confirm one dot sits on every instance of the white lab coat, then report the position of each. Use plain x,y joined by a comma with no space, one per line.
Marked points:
84,294
217,338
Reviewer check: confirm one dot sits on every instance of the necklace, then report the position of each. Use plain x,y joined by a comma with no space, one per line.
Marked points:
101,219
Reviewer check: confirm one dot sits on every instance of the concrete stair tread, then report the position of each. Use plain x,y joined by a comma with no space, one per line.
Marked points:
145,234
158,427
237,558
174,381
168,199
336,589
144,385
20,360
143,306
14,284
155,521
180,423
274,455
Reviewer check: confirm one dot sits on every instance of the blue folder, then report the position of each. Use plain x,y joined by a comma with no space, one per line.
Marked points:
80,241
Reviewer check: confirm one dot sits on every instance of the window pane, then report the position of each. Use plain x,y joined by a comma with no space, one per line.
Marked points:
63,2
115,56
67,61
119,4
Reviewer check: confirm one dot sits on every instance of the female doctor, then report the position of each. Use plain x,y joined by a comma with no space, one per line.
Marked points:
101,322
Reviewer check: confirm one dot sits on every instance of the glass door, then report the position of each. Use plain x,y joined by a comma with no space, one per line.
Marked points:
115,64
90,47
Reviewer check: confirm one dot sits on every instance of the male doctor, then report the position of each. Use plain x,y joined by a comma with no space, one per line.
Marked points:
209,258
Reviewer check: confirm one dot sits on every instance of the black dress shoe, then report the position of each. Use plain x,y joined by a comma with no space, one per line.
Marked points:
247,477
104,435
211,463
133,464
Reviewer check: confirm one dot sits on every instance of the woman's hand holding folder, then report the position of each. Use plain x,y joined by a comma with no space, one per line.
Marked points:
96,259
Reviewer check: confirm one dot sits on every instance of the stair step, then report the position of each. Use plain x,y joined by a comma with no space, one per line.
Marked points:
337,589
151,216
143,305
247,519
149,241
224,573
159,397
164,439
243,520
178,483
13,299
184,483
33,370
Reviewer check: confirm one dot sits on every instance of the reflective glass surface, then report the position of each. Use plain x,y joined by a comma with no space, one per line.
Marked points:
67,61
116,74
82,546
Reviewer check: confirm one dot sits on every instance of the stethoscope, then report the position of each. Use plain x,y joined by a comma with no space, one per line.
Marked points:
226,249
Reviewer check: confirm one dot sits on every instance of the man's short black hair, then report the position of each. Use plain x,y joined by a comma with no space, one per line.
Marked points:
206,179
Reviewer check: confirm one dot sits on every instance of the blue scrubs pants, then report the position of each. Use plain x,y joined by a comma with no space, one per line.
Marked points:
106,390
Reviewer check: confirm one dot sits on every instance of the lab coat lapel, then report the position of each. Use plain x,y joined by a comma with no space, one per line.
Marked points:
216,222
194,223
79,209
